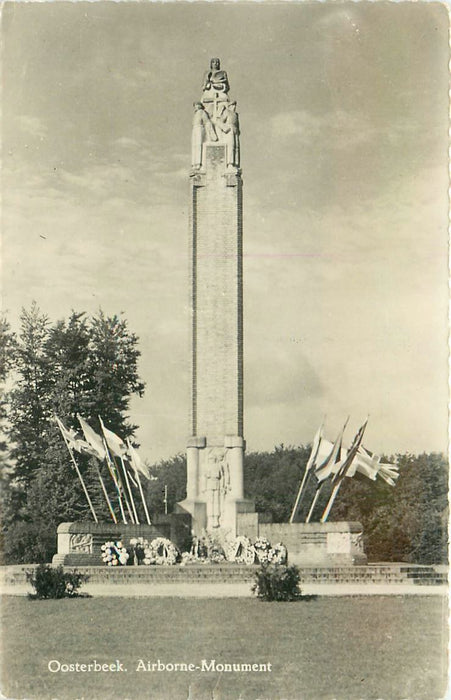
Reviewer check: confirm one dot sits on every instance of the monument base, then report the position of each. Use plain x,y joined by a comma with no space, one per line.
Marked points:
228,525
79,543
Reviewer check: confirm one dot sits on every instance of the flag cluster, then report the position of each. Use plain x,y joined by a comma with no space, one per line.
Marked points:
332,462
123,462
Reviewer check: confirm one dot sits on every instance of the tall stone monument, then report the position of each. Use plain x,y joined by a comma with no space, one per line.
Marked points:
216,445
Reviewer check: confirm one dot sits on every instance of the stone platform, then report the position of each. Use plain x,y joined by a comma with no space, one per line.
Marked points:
310,544
79,543
398,574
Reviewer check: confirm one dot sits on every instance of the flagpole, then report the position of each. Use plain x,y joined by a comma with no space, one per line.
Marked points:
79,475
124,492
139,486
308,470
310,513
133,516
142,498
294,512
115,481
129,490
333,495
105,493
344,470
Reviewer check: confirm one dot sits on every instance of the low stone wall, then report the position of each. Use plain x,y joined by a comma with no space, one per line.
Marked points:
309,544
79,543
328,544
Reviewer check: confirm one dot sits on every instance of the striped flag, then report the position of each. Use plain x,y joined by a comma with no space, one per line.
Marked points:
371,466
332,456
347,461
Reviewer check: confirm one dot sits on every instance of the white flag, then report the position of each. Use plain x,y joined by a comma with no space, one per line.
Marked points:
114,442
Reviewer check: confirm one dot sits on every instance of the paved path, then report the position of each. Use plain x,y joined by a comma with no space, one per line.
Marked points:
235,590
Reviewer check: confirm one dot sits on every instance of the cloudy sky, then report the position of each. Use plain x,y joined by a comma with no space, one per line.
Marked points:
343,111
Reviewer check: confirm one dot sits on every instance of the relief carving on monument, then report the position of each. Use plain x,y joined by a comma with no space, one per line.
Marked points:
216,484
357,542
81,543
215,119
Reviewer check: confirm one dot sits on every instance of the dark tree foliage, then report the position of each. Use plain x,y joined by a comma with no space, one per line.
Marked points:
271,479
170,473
407,522
29,402
80,365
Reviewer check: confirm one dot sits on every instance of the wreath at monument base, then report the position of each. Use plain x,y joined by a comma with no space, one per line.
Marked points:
241,550
163,551
278,554
142,551
114,554
263,550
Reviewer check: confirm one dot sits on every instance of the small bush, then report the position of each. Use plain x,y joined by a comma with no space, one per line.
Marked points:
277,582
50,582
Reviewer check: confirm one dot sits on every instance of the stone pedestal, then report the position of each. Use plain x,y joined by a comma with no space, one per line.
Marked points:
318,544
215,485
79,543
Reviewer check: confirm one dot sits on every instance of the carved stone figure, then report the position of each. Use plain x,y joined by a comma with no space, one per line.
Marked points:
229,124
203,130
215,80
217,483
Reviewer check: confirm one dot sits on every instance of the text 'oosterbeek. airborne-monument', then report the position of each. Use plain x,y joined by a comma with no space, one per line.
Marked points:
216,446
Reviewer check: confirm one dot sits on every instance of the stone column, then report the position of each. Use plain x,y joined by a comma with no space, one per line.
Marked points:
215,465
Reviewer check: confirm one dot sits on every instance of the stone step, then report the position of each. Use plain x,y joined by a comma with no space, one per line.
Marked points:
234,573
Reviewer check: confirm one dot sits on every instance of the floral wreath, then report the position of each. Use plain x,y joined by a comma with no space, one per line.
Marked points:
142,551
114,554
241,550
278,554
163,551
263,550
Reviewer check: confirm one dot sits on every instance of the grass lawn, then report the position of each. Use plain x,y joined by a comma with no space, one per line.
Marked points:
362,647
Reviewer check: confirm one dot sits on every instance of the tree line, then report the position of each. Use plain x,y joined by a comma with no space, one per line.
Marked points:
89,365
86,365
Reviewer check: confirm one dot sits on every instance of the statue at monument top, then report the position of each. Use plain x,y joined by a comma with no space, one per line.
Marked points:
215,119
215,80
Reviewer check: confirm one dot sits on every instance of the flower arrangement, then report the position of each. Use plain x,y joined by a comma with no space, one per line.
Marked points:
263,550
241,550
163,551
190,558
205,550
199,549
114,554
278,554
142,551
215,550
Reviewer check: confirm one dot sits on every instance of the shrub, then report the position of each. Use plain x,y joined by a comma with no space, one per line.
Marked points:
277,582
50,582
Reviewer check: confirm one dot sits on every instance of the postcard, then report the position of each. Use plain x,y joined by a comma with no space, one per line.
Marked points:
224,350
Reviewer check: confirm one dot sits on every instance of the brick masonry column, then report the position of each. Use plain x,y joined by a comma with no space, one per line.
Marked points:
215,449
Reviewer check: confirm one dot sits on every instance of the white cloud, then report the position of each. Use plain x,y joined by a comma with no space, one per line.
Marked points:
339,128
32,126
